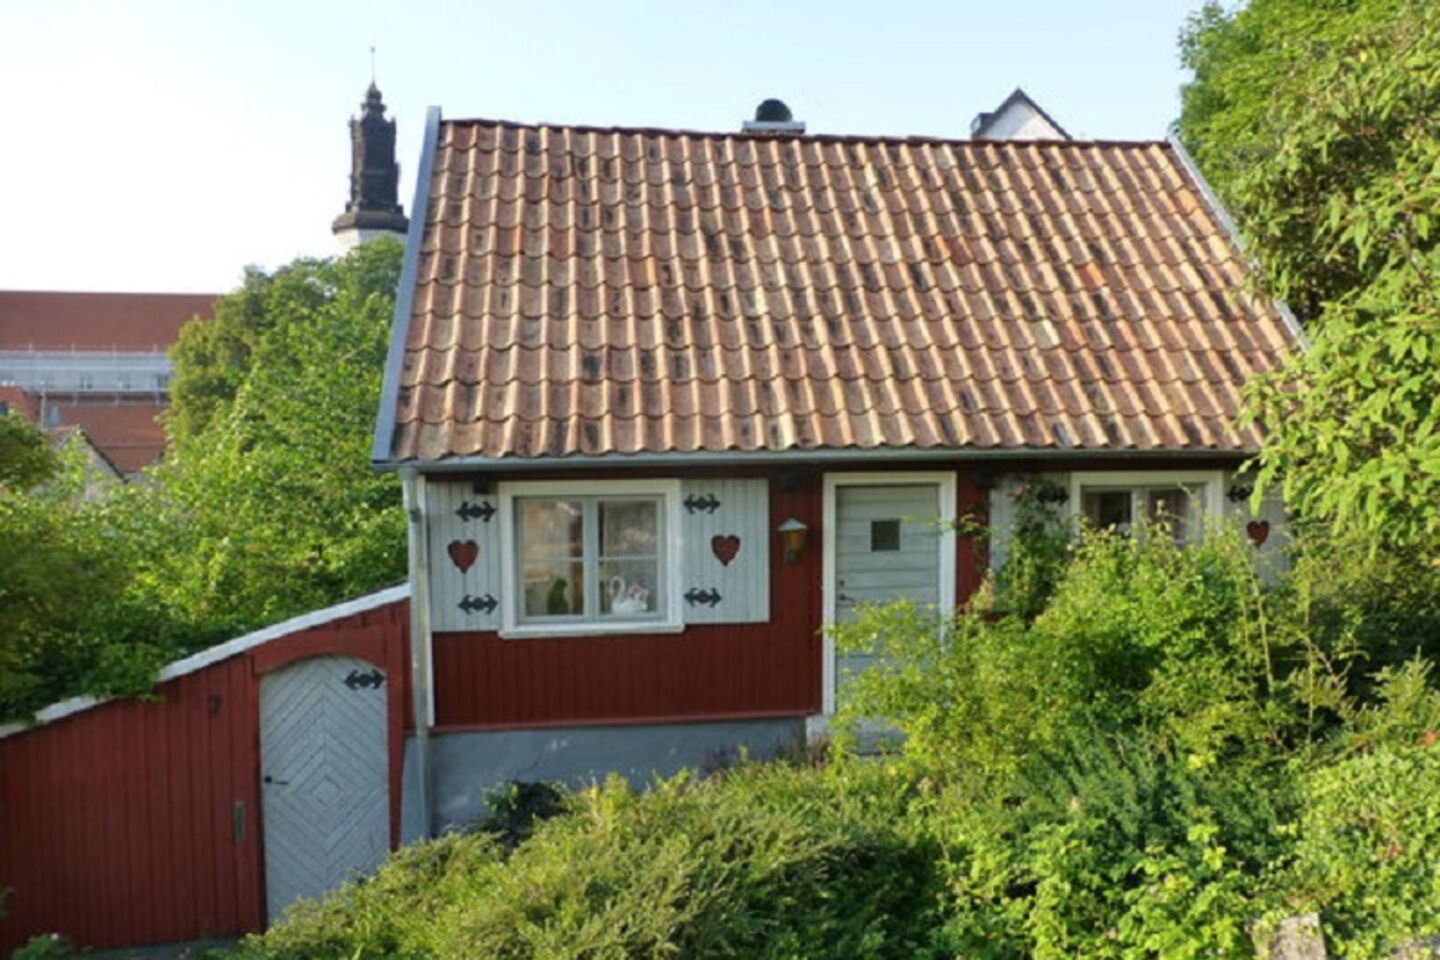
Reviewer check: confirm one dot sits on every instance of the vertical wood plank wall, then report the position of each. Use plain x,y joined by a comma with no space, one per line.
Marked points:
710,671
117,824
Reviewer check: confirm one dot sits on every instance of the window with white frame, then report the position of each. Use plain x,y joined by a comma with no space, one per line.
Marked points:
1175,503
591,559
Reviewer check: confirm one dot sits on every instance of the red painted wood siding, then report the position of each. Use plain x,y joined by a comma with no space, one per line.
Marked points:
711,671
117,823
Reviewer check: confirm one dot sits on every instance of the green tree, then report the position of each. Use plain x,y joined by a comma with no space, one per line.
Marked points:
1317,121
62,582
267,505
26,457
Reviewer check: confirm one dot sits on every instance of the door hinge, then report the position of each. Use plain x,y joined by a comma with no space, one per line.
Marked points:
237,820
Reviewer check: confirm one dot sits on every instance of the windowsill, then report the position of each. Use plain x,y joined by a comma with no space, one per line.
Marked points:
590,629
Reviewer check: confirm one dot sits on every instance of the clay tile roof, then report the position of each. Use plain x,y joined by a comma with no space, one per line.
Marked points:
584,292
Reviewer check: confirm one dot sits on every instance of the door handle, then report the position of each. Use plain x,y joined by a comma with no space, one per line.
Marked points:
278,783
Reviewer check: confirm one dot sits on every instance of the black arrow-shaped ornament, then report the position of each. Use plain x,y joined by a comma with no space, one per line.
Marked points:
356,679
708,598
708,503
470,511
486,603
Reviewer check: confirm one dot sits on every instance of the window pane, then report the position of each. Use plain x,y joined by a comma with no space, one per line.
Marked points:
629,588
884,535
1107,509
629,528
552,528
1177,508
553,588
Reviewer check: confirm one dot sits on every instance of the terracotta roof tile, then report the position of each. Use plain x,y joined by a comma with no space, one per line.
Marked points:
585,292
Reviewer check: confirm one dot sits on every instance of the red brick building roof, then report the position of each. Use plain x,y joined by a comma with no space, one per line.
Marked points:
56,320
128,432
587,291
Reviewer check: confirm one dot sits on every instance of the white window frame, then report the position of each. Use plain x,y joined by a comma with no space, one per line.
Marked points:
671,619
1211,482
946,485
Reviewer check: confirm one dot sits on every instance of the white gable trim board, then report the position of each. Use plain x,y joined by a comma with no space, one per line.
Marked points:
224,651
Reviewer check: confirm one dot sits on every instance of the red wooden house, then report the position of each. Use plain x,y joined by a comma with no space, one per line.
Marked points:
666,403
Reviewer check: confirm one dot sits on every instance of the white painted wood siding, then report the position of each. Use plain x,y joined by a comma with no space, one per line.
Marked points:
864,575
1272,525
711,512
468,599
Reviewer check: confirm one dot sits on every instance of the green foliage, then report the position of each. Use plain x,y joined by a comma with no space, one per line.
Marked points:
774,861
265,507
1316,121
1364,849
1122,774
513,810
1039,549
45,946
271,507
1168,756
62,585
26,457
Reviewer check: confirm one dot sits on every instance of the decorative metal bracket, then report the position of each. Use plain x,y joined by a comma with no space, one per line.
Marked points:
708,503
356,680
469,511
1238,493
708,597
486,603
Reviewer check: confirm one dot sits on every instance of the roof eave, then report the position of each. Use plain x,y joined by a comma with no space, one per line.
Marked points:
405,294
829,456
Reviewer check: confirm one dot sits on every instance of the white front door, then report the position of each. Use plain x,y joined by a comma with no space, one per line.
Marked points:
324,783
889,538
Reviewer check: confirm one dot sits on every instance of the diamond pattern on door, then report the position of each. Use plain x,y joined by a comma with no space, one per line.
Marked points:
324,778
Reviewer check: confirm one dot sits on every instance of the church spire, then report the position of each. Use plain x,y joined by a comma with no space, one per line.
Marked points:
373,208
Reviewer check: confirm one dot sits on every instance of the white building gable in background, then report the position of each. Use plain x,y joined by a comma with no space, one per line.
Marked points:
1017,118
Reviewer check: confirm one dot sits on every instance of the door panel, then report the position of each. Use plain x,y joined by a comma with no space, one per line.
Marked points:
872,564
324,767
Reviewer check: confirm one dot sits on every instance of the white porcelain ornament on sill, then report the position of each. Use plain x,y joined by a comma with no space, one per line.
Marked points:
628,598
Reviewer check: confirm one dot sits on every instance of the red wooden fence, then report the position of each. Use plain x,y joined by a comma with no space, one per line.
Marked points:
139,822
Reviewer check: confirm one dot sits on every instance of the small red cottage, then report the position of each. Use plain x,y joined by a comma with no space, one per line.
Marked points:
666,403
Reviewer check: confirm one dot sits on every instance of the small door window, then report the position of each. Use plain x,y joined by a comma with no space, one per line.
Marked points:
884,535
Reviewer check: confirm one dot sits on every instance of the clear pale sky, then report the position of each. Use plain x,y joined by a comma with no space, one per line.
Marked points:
163,145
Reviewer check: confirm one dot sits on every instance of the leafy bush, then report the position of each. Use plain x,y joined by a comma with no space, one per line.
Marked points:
1165,757
759,861
1365,849
1119,773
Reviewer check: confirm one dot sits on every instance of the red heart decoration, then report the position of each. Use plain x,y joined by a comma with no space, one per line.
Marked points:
463,553
725,548
1258,531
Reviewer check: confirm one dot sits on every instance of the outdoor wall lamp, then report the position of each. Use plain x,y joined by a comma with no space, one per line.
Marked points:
792,535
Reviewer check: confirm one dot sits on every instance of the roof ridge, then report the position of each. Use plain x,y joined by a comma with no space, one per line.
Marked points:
910,138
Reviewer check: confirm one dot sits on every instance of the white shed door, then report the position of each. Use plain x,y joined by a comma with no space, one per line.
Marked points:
323,776
886,549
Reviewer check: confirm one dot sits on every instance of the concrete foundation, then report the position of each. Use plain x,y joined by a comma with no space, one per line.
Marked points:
466,766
